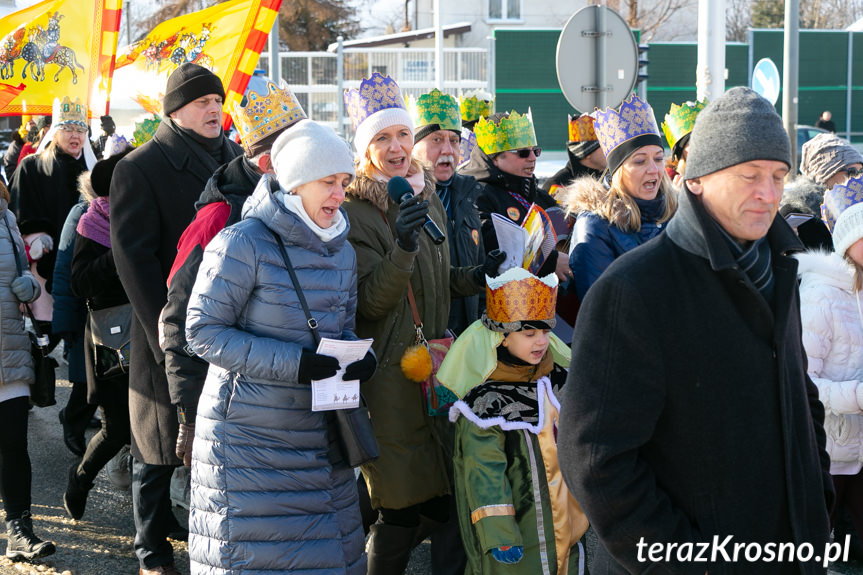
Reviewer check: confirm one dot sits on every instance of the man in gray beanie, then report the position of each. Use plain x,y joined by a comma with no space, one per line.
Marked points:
707,435
153,193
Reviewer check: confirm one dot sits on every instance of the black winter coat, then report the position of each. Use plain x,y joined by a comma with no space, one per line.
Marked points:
220,205
43,190
94,277
465,246
569,173
153,193
689,413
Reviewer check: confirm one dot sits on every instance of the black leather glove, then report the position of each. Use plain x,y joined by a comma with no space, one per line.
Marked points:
412,214
314,366
363,369
489,268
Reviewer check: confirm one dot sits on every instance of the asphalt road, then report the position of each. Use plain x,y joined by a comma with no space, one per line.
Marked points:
101,543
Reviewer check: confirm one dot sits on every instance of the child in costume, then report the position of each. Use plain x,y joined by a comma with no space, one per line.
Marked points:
515,512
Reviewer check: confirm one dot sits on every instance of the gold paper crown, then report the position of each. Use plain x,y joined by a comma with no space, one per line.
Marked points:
69,112
522,297
680,120
435,108
511,133
581,129
476,105
265,115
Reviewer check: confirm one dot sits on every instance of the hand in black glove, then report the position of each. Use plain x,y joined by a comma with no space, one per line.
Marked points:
489,268
314,367
412,214
363,369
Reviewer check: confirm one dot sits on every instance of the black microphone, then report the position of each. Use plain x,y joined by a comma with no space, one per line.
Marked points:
400,190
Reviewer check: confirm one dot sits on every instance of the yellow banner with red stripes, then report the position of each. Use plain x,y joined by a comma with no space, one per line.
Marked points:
226,38
58,48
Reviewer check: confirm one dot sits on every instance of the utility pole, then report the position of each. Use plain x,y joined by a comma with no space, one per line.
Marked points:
790,62
710,73
438,47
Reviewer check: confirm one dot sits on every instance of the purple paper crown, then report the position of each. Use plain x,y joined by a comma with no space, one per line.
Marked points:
614,127
840,198
375,94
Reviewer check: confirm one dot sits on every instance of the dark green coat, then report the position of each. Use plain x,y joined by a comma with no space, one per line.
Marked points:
411,468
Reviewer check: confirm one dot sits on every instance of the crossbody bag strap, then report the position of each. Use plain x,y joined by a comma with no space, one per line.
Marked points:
310,321
411,299
39,334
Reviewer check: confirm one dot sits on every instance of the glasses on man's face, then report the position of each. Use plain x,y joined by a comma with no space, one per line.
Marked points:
853,172
524,153
73,128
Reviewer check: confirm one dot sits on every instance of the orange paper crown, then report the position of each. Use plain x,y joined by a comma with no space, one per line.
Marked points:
581,129
518,295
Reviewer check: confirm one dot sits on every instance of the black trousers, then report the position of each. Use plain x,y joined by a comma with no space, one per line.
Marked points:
14,459
114,401
151,504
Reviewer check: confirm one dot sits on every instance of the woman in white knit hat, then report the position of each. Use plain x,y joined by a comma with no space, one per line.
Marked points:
832,315
408,485
270,493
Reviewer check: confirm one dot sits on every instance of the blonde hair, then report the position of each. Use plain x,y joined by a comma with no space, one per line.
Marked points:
610,209
858,272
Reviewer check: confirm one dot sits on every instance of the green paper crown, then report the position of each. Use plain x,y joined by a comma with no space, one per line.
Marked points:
680,120
435,108
512,133
476,105
144,131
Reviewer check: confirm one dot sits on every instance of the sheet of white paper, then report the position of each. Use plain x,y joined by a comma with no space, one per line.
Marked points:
510,239
334,392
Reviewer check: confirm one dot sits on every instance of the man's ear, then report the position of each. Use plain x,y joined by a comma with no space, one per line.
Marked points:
265,164
694,186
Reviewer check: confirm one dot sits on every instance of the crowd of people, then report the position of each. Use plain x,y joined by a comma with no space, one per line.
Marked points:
711,387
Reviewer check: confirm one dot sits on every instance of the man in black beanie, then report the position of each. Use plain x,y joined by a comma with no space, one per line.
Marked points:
108,129
692,428
153,194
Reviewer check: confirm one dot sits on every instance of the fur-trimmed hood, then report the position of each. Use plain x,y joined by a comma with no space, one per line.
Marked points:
588,194
375,191
827,268
85,187
803,196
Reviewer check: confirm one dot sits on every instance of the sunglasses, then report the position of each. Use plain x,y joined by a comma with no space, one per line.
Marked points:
524,153
73,128
853,172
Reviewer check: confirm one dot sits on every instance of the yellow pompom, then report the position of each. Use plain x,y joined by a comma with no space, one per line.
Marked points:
417,363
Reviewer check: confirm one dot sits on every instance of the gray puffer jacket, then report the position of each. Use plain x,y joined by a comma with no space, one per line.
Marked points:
16,364
265,496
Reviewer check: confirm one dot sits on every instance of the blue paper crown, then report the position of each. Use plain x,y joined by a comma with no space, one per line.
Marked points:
375,94
839,199
634,119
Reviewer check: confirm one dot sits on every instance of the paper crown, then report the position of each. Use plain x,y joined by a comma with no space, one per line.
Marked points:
680,120
375,94
435,108
69,112
475,105
511,133
144,131
840,198
581,129
518,295
466,146
266,114
635,118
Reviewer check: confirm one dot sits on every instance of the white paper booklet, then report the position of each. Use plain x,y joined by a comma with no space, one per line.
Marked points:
511,239
334,392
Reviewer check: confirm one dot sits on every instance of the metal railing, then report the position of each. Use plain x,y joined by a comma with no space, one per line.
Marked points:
314,76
